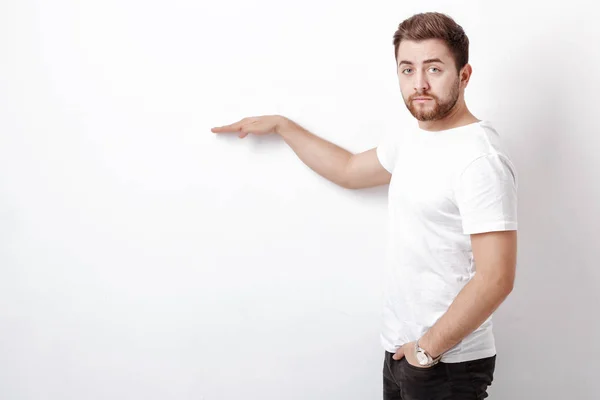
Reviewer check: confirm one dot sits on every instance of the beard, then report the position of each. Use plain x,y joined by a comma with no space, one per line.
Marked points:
439,109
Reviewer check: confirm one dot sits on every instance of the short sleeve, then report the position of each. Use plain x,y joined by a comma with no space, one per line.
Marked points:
486,195
386,152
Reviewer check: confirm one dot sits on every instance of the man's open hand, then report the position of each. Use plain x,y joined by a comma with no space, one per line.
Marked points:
262,125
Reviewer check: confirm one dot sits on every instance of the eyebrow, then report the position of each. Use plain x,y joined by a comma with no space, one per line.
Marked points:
429,61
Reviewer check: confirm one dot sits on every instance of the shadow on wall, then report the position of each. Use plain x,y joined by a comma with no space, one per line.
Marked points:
273,143
546,327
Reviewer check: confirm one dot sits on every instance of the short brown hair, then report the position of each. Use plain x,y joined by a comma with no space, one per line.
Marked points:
434,25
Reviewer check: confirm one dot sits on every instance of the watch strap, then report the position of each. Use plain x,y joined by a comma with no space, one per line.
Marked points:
431,361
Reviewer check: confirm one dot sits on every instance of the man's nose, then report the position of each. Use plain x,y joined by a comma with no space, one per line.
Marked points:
421,84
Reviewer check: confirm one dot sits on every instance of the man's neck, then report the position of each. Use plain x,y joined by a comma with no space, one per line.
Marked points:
459,116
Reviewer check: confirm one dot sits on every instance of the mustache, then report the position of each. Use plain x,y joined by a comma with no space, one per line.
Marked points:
412,97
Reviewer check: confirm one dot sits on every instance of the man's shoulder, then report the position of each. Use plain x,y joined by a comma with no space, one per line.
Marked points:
483,140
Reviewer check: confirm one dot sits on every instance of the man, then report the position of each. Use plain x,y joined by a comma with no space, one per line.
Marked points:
453,217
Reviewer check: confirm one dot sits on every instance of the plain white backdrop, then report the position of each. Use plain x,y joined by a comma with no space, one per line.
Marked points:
144,257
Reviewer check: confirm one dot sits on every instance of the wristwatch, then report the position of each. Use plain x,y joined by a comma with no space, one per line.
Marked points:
424,359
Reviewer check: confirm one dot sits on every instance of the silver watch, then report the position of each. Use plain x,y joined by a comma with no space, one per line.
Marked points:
424,359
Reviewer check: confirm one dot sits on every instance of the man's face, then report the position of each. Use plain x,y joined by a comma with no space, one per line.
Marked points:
428,78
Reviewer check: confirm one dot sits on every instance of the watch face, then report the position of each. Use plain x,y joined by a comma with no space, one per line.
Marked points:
422,358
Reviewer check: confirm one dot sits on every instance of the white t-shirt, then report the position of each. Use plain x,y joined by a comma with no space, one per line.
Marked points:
445,186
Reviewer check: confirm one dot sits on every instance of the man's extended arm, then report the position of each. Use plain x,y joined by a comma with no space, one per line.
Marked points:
352,171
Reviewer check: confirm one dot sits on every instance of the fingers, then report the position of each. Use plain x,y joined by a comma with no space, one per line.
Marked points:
399,354
250,126
226,128
229,128
254,125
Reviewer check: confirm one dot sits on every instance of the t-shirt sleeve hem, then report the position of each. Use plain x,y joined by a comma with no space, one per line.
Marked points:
489,227
382,160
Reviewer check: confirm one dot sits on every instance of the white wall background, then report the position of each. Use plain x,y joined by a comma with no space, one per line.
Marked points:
144,257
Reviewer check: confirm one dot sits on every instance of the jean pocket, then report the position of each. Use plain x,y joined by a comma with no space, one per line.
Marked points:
423,370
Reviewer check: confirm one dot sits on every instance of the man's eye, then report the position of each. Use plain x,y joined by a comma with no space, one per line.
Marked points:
436,70
404,71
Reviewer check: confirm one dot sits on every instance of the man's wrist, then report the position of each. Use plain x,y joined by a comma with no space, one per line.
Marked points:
428,347
423,358
282,125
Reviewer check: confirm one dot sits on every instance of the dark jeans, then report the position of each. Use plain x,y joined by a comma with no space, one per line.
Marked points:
444,381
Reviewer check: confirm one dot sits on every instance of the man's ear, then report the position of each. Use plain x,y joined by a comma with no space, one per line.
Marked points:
465,75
